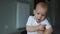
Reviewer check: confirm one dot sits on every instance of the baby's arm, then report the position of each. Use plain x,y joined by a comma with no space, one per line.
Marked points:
34,28
41,31
49,31
49,28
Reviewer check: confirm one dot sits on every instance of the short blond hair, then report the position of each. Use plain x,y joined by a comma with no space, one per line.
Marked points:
42,4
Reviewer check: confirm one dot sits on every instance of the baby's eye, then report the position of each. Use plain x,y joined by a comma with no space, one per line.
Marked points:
38,13
43,15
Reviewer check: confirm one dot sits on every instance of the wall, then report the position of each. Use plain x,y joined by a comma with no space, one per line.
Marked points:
55,17
8,10
57,22
22,14
7,16
31,2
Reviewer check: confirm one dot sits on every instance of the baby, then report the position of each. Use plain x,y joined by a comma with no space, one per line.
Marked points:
38,24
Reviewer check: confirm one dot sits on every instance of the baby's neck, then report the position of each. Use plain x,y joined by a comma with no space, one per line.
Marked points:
38,22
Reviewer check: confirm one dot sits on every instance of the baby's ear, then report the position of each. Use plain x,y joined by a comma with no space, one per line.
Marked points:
34,11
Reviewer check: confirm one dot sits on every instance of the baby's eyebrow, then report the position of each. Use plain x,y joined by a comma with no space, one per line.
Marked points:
41,13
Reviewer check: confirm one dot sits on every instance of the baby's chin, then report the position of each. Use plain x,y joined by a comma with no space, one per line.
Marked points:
38,21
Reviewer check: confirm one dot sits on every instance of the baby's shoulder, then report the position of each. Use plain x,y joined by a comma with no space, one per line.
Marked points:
31,17
45,21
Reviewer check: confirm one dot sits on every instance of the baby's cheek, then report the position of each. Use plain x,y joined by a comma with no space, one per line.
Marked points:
36,17
42,18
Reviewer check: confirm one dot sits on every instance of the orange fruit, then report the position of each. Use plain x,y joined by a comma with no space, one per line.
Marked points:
44,29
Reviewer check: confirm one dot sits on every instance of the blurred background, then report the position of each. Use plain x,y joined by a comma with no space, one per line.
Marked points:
14,15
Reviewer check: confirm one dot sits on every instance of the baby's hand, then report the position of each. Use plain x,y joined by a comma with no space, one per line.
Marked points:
41,27
39,32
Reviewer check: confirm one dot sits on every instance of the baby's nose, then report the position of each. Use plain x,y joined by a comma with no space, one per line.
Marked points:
40,16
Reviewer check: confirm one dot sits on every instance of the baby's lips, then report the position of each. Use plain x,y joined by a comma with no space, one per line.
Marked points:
39,19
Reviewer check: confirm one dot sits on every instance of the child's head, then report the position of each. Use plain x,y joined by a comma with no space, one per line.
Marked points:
40,11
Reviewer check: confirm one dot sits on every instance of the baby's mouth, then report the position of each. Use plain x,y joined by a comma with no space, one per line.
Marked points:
38,20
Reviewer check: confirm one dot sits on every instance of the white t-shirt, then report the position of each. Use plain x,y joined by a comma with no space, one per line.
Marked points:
32,22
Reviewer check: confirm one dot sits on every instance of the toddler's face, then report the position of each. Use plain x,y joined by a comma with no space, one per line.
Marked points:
40,13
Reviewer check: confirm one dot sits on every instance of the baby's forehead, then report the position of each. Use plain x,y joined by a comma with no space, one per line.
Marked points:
41,10
40,7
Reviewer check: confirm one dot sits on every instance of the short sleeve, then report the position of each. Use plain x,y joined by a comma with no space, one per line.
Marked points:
29,21
48,25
